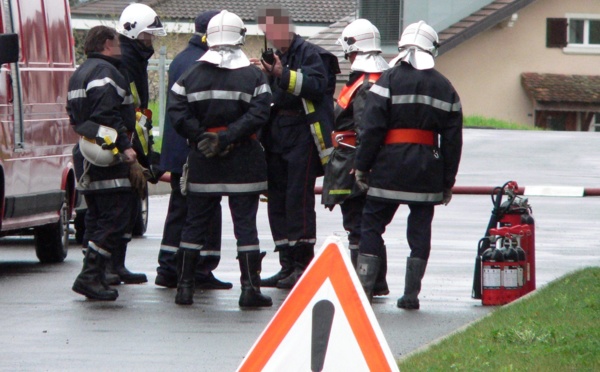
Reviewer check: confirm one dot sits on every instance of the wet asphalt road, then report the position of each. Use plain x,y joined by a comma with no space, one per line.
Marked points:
47,327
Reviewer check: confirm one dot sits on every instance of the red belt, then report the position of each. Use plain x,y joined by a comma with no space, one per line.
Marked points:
419,136
344,138
220,129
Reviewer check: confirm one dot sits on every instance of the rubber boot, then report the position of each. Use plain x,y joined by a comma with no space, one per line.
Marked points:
166,272
118,267
286,259
186,283
367,268
415,270
90,282
250,263
302,256
381,286
210,282
109,277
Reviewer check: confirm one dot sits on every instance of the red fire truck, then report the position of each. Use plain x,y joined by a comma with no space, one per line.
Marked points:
37,181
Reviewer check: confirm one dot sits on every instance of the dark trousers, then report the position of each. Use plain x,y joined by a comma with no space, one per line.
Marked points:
352,210
201,211
176,215
291,194
108,220
378,214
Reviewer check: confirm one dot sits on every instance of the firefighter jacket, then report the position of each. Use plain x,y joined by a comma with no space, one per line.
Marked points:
235,105
306,88
411,136
338,183
174,147
99,95
134,66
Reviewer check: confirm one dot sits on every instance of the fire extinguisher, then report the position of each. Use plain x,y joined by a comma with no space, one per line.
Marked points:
491,270
513,212
517,212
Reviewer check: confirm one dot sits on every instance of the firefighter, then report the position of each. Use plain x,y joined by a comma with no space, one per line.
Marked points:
173,156
138,26
218,105
100,110
410,150
297,141
361,43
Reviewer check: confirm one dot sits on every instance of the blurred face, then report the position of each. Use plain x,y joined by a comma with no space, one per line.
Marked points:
277,30
146,38
112,48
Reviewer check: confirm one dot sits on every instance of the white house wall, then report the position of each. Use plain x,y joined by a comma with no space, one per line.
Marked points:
486,70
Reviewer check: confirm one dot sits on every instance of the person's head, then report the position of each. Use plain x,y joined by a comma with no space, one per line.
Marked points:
103,40
140,22
225,28
276,23
423,39
360,36
202,19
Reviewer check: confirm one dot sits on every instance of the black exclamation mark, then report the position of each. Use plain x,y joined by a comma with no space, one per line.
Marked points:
322,320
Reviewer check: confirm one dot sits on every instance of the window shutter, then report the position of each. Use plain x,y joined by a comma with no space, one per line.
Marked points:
385,15
556,32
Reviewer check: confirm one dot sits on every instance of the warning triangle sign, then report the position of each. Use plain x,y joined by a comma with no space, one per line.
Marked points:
325,324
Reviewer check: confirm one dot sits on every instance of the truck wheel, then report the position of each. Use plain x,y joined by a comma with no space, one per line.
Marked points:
141,223
52,240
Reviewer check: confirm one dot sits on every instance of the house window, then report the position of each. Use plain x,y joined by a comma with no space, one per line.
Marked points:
575,34
386,17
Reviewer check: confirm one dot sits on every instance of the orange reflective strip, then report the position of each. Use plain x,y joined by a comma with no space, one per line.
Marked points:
348,91
418,136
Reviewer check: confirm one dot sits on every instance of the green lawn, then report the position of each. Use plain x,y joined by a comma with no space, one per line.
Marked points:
555,329
482,122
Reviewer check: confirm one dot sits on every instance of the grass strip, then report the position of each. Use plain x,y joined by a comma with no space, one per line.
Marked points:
555,329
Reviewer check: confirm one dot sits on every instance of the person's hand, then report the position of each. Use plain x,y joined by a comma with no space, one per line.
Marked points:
129,156
256,62
209,145
361,180
276,69
447,196
138,177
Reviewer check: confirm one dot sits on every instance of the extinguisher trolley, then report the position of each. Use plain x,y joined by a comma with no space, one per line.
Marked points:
505,262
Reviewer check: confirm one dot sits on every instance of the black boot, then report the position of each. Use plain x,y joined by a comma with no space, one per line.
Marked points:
109,277
381,286
415,270
118,267
90,282
286,259
250,263
303,254
367,268
210,282
185,285
166,272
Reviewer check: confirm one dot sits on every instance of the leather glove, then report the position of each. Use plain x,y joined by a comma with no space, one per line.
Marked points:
361,180
137,177
209,145
447,196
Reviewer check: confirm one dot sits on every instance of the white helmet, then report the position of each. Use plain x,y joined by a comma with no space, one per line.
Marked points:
360,36
420,35
225,29
138,18
100,151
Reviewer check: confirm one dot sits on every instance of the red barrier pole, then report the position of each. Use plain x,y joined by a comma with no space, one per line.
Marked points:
488,190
